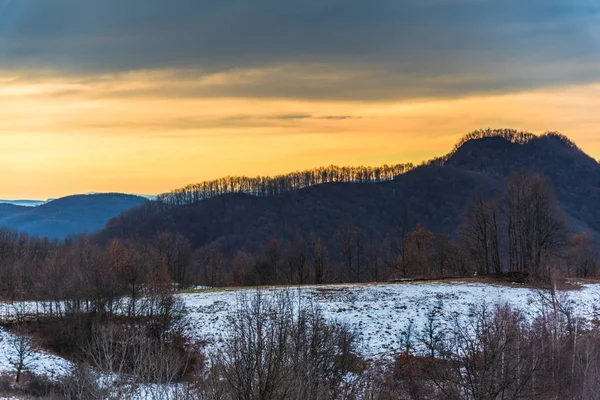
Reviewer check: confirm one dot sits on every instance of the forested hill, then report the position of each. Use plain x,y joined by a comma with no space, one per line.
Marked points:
240,221
263,186
574,175
434,195
68,215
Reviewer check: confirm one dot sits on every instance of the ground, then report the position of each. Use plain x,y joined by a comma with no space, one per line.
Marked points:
377,313
41,364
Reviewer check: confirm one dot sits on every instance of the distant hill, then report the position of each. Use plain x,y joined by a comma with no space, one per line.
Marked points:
68,215
434,195
26,203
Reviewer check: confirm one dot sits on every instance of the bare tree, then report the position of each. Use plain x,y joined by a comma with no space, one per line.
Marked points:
443,253
418,252
280,347
22,355
536,226
271,253
580,257
173,251
487,356
319,259
295,260
242,272
432,333
82,384
480,235
350,241
402,229
209,263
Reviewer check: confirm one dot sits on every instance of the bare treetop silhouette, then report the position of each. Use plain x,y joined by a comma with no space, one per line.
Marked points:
264,186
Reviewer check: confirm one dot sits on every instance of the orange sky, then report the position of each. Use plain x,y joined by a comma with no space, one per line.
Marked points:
143,96
135,133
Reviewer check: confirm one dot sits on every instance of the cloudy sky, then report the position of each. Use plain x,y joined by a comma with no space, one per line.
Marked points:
147,95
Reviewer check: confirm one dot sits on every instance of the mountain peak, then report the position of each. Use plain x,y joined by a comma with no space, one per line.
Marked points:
500,152
559,139
501,137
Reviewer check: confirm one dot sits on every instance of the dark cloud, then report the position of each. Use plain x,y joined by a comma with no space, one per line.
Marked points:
183,124
379,48
310,116
338,117
291,116
346,83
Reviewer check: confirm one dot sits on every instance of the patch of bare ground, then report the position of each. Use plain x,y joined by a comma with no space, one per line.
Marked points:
507,280
330,290
563,284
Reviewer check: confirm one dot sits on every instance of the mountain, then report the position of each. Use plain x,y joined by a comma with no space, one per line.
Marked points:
68,215
574,175
25,203
434,195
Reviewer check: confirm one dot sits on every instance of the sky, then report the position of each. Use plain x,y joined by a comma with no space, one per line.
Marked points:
143,96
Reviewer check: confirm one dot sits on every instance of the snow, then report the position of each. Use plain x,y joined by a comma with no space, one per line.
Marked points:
42,363
379,313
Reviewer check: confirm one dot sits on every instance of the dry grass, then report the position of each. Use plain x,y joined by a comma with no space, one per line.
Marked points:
507,281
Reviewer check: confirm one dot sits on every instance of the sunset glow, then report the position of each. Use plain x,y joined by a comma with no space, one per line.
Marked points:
73,122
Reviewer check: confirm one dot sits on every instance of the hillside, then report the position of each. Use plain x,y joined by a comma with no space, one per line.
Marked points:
435,198
68,215
574,175
434,195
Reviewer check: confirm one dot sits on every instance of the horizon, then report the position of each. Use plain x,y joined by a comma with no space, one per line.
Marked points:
13,201
148,96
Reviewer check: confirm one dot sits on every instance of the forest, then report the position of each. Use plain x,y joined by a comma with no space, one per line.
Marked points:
523,232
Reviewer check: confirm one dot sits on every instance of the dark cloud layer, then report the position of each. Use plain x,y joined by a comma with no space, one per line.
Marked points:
378,47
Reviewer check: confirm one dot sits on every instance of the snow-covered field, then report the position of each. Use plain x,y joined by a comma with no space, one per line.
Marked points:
379,313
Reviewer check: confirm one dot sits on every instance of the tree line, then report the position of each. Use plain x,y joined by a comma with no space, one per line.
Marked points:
522,231
264,186
511,135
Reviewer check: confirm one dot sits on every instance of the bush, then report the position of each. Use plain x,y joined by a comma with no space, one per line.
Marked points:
279,346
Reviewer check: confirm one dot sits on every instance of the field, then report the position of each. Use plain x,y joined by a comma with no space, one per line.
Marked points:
377,313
